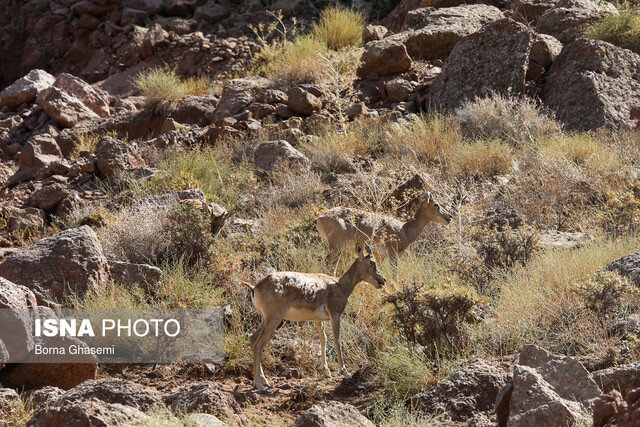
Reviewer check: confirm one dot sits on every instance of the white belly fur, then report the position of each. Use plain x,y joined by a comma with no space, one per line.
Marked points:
300,314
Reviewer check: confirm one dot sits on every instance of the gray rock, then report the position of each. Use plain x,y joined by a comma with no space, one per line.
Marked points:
566,20
269,156
115,390
237,94
206,397
531,10
549,389
469,392
332,414
88,413
15,302
134,274
46,397
593,84
65,264
211,13
26,88
114,157
205,420
398,90
627,266
9,401
623,378
492,60
434,32
48,197
95,99
383,58
373,32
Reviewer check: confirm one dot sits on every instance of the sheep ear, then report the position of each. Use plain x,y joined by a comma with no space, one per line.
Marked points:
368,248
359,249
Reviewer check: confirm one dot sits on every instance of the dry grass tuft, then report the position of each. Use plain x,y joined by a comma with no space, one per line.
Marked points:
299,61
162,87
339,27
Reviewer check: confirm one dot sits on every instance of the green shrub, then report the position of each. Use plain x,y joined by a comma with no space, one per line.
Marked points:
606,293
339,27
189,231
402,374
621,30
434,316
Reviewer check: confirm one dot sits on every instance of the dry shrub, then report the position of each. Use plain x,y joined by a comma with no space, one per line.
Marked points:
621,211
339,27
137,235
509,118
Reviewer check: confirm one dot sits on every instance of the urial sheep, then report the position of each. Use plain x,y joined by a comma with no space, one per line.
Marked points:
310,297
342,228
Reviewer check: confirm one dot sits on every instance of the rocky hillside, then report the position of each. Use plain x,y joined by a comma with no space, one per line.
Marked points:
165,153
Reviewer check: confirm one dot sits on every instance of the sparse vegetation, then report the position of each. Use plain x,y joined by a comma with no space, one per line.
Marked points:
622,30
511,119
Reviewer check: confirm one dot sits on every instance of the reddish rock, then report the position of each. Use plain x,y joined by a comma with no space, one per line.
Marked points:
27,88
114,157
95,99
566,20
48,197
383,58
303,102
63,108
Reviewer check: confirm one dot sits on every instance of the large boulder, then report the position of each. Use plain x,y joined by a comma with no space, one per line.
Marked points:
492,60
566,20
434,32
237,94
383,58
115,157
396,19
95,99
16,302
65,109
88,413
549,389
332,414
268,156
592,84
115,390
623,378
531,10
26,88
627,266
65,264
205,397
469,392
